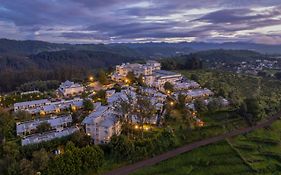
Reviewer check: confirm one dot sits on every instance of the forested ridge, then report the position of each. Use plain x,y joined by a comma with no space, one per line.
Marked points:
27,61
59,65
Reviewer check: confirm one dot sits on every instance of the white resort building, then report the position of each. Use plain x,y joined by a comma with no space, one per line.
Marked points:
69,88
56,122
47,107
38,138
151,71
102,124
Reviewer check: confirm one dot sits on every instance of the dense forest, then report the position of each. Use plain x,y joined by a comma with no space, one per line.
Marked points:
27,61
59,65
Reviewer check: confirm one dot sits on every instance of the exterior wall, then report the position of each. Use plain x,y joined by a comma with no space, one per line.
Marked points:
25,107
159,83
102,134
72,91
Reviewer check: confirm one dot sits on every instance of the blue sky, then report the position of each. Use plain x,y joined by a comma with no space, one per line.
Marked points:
111,21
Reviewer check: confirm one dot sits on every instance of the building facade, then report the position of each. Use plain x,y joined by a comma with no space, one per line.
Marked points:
69,88
102,124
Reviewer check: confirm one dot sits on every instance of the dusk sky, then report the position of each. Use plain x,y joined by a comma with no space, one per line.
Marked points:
108,21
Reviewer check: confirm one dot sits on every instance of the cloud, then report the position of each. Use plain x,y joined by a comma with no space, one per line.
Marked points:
140,20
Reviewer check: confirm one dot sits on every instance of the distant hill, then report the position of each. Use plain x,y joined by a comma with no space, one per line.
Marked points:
25,61
57,65
132,49
28,46
229,55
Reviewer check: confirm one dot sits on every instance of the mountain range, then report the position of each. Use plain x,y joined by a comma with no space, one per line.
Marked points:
163,49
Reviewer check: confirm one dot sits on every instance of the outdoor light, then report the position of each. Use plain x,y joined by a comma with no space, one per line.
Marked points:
91,78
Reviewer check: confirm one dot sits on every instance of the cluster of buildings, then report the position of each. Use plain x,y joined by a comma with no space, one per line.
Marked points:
104,121
251,66
151,73
59,126
46,106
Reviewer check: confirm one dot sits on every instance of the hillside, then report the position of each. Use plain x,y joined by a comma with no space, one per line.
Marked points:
58,65
132,49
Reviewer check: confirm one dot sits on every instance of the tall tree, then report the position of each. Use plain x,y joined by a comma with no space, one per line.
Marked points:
144,111
102,77
43,127
125,107
168,86
40,160
88,105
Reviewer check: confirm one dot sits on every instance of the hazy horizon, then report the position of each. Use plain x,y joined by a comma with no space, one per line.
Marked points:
132,21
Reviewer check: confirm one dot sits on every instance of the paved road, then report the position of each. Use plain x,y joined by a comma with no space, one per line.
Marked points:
151,161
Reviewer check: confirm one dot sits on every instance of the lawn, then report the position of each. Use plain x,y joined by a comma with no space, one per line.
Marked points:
212,159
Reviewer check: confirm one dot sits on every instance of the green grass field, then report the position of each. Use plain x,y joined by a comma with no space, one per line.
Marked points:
261,148
212,159
258,152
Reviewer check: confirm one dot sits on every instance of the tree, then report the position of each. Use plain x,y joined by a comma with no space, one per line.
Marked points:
26,167
200,106
131,77
11,155
102,77
81,139
40,160
194,77
88,105
92,158
168,86
181,102
117,88
125,107
251,110
23,115
7,126
11,150
122,148
100,96
254,108
214,105
76,161
144,111
43,127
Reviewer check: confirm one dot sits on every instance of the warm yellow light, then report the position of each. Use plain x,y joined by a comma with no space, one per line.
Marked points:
91,78
94,92
171,103
136,127
126,81
73,108
168,91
